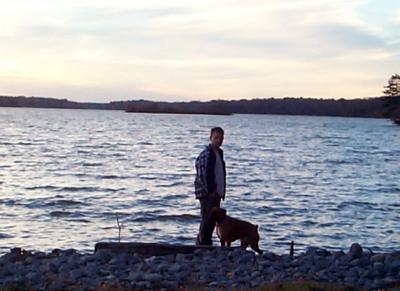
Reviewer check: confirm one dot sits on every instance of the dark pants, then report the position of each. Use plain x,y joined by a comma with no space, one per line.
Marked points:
207,225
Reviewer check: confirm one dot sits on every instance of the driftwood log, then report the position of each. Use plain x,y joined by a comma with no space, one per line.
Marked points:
150,249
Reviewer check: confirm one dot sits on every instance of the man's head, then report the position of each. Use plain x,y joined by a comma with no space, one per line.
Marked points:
216,137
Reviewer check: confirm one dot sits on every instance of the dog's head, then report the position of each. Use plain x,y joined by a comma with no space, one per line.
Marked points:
218,214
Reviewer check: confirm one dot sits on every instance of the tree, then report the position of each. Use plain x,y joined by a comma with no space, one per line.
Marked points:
393,87
392,99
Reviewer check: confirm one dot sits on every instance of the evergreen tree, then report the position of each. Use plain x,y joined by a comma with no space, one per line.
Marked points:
393,87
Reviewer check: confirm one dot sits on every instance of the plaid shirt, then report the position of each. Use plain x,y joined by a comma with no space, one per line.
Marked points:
205,175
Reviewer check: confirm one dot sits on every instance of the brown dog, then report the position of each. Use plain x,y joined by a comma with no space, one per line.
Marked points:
230,229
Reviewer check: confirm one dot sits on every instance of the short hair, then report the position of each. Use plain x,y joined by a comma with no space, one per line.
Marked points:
217,130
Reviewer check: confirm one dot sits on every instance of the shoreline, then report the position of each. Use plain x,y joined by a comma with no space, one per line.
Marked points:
213,268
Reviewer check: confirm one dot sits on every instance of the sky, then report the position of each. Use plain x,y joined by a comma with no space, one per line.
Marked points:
100,51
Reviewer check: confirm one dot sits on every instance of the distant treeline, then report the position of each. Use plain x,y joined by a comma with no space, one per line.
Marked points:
368,107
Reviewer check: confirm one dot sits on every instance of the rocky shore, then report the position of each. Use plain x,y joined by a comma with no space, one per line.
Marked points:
218,268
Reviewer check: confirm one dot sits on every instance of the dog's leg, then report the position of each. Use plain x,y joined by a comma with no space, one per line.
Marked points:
222,243
243,243
254,246
228,243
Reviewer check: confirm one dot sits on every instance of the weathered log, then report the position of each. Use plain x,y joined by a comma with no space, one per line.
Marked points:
150,249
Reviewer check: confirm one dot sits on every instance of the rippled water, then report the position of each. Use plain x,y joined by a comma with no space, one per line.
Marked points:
321,181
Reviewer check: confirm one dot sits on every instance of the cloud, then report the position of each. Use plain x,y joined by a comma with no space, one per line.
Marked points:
196,49
396,17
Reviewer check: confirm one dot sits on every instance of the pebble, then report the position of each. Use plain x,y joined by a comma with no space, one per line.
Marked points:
214,269
356,251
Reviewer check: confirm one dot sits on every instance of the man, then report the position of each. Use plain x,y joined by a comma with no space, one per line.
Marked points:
210,183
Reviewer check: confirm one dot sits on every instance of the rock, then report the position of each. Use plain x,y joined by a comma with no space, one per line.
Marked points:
392,257
356,251
349,280
34,278
55,285
171,285
88,283
175,268
379,268
69,252
365,260
180,258
103,256
75,275
152,277
378,258
392,267
135,276
389,281
354,262
255,283
322,263
64,268
162,267
143,285
344,260
338,254
312,251
90,268
116,261
247,259
377,284
269,256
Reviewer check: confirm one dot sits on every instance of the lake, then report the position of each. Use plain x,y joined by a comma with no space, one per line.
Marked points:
65,175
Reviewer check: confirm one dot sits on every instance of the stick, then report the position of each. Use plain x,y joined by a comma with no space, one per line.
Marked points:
119,229
292,248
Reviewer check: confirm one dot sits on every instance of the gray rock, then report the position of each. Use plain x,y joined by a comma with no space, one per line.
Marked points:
354,262
365,260
392,267
116,261
103,256
34,278
162,267
143,285
175,268
379,268
75,275
152,277
255,283
322,263
312,251
338,254
44,267
180,258
56,285
350,281
356,251
344,260
378,258
389,281
377,284
389,258
247,259
135,276
172,285
65,268
269,256
88,283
